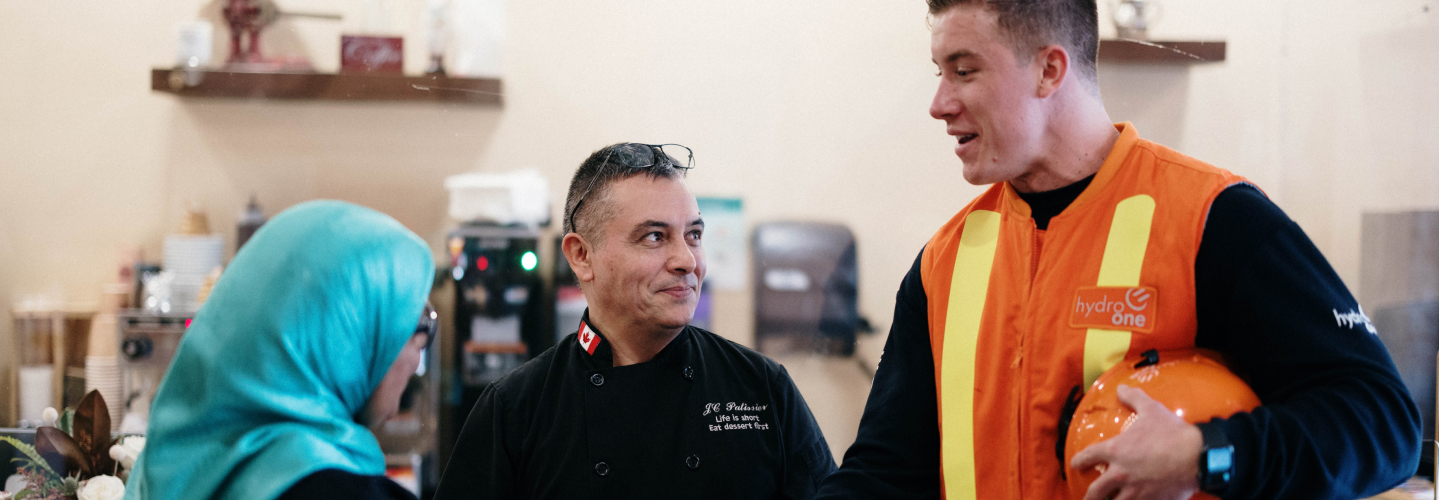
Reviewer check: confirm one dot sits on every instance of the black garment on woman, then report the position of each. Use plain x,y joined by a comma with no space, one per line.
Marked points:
337,484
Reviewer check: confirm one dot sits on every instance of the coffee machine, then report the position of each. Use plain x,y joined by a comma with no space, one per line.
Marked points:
148,342
499,310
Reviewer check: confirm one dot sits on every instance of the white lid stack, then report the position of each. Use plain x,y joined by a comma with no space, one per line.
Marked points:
189,259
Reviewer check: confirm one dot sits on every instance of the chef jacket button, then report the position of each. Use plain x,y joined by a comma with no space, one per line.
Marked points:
693,461
689,373
598,380
603,469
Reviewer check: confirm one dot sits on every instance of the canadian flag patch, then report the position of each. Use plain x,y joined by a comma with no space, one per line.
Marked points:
588,339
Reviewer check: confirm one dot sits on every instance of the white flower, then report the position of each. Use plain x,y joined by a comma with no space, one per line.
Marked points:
15,483
117,453
132,447
49,416
102,488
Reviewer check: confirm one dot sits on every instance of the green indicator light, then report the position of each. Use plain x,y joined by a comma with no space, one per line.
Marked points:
529,260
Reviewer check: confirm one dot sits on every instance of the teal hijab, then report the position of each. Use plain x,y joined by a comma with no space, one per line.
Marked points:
294,338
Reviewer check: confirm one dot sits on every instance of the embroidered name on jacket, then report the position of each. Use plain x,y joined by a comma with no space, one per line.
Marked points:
734,416
1115,308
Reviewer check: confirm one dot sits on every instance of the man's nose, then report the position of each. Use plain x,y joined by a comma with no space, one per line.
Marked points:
683,259
945,105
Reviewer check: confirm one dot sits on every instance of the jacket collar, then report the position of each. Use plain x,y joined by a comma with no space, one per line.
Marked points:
1118,155
598,349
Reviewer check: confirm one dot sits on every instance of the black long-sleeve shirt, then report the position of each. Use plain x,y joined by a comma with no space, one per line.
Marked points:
334,483
1336,420
706,418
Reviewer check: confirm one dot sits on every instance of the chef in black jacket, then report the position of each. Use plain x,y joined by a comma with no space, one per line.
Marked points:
637,403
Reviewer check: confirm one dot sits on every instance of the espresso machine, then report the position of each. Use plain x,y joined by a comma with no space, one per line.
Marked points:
499,319
148,342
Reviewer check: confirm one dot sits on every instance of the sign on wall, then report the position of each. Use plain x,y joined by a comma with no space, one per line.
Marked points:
726,255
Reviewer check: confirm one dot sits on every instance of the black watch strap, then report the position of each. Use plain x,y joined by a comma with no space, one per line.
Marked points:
1216,460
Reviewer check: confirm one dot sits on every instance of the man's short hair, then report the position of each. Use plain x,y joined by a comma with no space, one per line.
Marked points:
1032,24
597,173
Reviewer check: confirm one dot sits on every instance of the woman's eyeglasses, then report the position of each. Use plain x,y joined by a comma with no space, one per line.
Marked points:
636,155
429,324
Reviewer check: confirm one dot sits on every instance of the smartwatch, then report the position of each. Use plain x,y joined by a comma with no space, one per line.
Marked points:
1216,460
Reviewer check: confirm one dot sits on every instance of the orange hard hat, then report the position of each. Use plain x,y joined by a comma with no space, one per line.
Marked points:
1192,383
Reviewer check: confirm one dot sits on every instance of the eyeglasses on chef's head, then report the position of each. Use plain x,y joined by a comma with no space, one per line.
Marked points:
620,161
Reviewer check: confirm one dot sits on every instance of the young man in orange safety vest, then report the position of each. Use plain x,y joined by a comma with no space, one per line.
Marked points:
1090,246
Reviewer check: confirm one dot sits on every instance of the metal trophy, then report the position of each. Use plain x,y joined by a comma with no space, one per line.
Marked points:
247,18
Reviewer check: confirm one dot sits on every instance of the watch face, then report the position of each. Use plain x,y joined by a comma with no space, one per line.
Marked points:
1216,470
1220,460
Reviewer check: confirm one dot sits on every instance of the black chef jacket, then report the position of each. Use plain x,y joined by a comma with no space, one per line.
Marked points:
706,418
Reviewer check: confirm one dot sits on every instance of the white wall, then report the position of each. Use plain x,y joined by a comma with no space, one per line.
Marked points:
1328,105
809,110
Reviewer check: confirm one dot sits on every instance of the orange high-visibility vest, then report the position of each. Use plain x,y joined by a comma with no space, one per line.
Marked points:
1019,316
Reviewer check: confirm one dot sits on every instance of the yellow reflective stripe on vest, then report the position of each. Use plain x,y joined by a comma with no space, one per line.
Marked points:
1123,261
968,288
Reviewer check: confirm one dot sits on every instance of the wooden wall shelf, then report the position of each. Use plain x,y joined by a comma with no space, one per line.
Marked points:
473,347
1160,52
325,86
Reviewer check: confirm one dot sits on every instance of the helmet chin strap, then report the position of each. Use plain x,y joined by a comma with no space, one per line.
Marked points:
1148,358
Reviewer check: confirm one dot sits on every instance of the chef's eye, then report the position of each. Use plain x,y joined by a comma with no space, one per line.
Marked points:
653,236
696,234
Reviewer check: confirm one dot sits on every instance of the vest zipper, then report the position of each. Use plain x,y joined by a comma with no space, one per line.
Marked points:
1036,248
1036,243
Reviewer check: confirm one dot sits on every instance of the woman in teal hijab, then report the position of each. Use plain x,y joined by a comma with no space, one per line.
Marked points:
308,337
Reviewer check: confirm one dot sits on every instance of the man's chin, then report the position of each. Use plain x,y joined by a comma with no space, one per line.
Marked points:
676,319
672,323
976,174
984,175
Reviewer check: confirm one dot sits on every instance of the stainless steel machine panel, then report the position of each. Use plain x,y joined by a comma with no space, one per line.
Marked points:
147,345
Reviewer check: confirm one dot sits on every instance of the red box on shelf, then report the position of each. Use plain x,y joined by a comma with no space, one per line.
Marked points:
372,54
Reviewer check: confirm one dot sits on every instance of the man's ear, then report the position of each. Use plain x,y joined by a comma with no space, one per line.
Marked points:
1053,65
578,252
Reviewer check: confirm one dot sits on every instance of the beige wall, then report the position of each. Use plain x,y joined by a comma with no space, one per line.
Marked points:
809,110
1327,105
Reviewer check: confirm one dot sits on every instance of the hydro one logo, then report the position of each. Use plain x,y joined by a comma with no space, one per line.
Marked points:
1114,308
